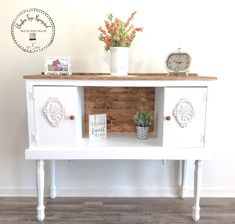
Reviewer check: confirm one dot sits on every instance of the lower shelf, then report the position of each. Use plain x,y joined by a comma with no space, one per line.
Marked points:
125,153
116,147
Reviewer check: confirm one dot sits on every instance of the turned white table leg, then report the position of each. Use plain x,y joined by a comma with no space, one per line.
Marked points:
183,177
52,179
40,190
197,185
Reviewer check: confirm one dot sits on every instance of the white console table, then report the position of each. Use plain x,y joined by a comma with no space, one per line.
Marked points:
55,106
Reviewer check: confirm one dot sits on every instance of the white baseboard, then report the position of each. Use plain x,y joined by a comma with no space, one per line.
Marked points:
213,192
118,192
17,192
74,192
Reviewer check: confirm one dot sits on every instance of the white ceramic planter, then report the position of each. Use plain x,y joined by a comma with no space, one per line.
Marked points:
142,132
119,61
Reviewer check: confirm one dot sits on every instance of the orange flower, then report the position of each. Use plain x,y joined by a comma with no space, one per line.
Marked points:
102,31
130,18
130,28
118,33
139,29
117,22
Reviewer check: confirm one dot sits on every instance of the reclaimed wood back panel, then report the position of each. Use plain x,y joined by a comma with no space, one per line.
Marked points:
120,105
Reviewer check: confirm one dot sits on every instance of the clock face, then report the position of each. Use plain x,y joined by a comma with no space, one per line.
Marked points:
178,62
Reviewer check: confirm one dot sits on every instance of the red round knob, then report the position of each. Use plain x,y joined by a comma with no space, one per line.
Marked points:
71,117
168,118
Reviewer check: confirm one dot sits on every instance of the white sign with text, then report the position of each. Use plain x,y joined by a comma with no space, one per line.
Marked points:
97,126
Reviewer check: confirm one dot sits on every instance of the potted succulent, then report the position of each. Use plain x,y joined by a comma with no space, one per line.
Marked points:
143,120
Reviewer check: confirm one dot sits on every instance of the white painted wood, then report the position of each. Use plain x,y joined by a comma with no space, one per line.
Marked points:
183,178
116,153
40,190
192,135
30,113
165,162
64,140
120,83
159,114
52,179
67,132
197,186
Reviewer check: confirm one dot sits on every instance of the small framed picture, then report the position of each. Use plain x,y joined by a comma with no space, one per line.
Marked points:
97,126
60,65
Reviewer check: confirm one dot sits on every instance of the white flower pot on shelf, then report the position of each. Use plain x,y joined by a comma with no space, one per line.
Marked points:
119,61
142,132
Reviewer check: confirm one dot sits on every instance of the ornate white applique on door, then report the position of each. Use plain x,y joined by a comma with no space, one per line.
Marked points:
183,112
54,111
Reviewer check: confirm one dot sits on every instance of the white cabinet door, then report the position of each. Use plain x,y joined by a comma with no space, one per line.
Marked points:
184,116
57,115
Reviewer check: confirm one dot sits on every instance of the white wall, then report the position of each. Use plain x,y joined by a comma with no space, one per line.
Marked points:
203,28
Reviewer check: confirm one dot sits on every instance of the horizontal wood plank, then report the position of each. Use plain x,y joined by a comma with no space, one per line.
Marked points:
95,210
131,76
120,104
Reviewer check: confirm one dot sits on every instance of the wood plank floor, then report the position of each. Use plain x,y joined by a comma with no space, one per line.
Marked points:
116,210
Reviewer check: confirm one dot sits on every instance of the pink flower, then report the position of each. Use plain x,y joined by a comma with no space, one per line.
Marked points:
130,18
139,29
118,33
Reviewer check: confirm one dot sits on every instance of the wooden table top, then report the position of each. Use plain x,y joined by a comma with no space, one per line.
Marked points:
131,76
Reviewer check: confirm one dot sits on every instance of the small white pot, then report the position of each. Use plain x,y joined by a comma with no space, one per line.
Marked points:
142,132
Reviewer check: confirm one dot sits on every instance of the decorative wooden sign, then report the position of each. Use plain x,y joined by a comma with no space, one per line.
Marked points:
97,126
